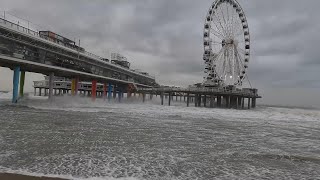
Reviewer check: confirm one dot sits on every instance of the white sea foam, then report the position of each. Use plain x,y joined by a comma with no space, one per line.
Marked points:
153,140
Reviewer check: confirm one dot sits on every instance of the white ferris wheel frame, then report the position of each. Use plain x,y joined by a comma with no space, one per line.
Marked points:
228,64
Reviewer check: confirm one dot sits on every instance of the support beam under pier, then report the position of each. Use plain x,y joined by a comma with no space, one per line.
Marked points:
22,79
51,81
94,90
16,73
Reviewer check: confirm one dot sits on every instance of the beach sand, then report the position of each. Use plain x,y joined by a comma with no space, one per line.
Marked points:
6,176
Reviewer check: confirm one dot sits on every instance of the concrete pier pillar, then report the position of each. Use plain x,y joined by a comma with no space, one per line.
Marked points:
199,100
227,100
205,101
188,99
119,94
114,92
16,73
143,97
45,92
22,79
211,101
76,86
109,91
104,91
253,102
73,87
94,90
51,81
196,100
219,101
237,102
151,96
161,96
35,91
184,98
242,102
170,98
249,103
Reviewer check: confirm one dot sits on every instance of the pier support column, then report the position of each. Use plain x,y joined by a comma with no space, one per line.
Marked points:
109,91
114,92
237,102
51,81
35,92
16,73
161,96
170,98
22,79
196,100
242,102
188,99
248,103
94,90
143,97
219,101
76,89
119,93
104,91
253,102
205,101
73,87
211,101
199,100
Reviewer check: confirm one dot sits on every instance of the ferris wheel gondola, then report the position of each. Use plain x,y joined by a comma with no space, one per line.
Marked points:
226,44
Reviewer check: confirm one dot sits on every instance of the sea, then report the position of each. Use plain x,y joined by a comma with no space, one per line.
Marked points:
75,138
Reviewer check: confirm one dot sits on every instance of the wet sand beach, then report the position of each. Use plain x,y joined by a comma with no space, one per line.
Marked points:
7,176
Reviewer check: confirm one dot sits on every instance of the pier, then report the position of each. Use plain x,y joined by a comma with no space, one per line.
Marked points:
70,69
25,50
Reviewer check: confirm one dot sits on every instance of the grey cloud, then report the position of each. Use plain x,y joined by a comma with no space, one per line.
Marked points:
164,37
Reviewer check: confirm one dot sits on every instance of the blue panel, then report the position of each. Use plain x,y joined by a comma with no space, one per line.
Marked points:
16,75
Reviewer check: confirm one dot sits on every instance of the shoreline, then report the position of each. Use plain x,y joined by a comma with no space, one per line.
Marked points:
13,176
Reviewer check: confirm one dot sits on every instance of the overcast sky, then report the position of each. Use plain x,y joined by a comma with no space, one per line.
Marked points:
164,37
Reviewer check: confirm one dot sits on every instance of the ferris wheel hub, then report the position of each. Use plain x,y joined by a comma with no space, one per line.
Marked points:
229,42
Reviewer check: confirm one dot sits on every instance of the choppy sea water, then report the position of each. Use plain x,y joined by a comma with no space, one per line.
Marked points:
75,138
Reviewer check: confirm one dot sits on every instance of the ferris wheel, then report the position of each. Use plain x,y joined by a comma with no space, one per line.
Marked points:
226,44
